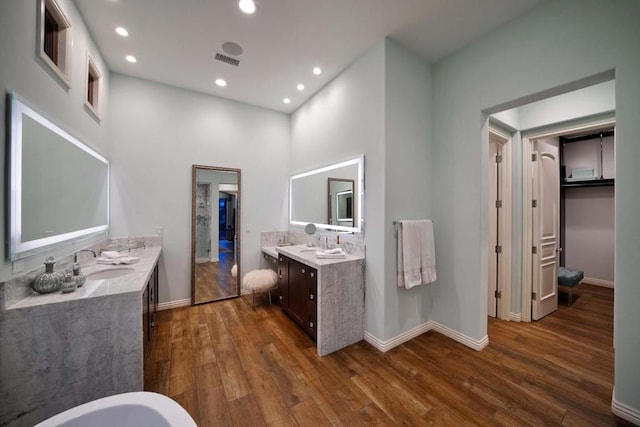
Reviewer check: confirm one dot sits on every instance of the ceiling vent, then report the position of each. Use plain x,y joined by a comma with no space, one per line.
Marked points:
227,59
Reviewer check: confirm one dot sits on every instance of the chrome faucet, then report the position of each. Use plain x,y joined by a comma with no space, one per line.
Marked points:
75,256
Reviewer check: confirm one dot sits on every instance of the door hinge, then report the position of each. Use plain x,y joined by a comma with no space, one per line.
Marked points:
534,157
533,296
534,203
498,158
498,203
498,249
534,250
498,294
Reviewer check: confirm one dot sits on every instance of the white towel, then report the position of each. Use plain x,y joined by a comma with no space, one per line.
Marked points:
111,254
416,263
336,253
117,261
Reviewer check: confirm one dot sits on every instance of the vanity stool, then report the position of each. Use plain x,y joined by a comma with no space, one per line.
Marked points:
263,280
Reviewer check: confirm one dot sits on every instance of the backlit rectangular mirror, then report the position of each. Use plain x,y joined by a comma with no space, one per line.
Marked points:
330,197
58,187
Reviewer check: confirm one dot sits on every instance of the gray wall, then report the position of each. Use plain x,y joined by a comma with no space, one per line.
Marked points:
408,178
342,121
379,107
504,67
21,71
158,132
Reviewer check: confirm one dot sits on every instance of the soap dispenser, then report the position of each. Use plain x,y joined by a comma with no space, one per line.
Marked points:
49,281
78,277
69,285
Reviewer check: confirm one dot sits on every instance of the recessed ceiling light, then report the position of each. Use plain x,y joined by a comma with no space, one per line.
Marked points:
122,31
221,82
286,101
247,6
300,86
317,71
131,58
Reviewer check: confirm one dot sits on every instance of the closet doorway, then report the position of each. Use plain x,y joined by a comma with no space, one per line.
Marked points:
575,166
499,201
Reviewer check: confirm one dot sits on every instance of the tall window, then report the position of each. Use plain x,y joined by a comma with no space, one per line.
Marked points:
54,35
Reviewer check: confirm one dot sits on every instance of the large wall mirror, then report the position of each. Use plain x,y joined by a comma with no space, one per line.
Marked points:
57,187
331,197
215,231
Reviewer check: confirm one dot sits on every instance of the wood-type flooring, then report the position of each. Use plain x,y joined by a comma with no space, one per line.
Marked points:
230,365
213,279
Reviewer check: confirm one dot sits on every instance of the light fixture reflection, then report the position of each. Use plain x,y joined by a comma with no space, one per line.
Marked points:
247,6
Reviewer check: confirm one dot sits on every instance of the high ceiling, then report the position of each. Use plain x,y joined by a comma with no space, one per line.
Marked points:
175,42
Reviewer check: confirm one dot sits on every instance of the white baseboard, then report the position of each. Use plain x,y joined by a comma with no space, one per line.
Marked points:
461,338
598,282
515,317
174,304
624,411
387,345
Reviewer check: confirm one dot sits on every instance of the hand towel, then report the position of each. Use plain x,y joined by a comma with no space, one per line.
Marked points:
336,253
117,261
416,262
111,254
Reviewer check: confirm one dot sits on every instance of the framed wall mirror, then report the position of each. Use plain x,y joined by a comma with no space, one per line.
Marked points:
215,233
57,186
340,201
330,197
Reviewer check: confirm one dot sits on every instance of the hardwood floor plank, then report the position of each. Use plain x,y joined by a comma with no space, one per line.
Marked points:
230,364
307,413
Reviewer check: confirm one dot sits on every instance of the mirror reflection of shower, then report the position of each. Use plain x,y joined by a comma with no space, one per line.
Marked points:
215,245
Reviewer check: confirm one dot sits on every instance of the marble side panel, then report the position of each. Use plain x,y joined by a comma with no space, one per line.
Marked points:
57,356
340,305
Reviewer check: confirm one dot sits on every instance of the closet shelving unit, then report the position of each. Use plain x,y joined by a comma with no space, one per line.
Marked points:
564,184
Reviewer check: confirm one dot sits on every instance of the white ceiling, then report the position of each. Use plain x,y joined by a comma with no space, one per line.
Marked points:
175,41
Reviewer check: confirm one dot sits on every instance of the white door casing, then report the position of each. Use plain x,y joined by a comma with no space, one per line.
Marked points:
546,228
494,194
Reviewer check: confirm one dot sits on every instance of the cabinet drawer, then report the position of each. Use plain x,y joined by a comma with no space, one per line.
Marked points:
272,262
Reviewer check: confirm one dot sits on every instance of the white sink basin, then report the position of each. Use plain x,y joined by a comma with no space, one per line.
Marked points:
109,273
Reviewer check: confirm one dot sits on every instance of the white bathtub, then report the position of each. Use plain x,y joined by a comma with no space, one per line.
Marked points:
139,409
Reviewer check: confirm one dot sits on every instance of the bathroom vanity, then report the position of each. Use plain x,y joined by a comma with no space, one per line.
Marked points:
325,297
61,350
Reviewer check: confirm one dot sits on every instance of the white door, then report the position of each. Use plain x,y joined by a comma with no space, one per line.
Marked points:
494,190
546,219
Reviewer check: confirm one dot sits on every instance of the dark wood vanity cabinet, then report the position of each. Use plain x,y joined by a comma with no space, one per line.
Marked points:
298,285
149,309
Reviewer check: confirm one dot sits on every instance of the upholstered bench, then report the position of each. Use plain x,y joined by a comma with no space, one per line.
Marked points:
260,281
568,278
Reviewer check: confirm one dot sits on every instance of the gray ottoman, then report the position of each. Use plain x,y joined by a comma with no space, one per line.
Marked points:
569,278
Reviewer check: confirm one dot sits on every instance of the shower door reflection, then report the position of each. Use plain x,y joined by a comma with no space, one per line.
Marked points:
214,241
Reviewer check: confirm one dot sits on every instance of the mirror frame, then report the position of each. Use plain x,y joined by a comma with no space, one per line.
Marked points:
358,222
15,247
238,247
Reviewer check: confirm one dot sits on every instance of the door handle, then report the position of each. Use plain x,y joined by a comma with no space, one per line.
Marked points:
558,249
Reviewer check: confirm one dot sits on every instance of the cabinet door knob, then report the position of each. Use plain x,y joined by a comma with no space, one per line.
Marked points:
311,297
311,324
312,275
303,270
281,298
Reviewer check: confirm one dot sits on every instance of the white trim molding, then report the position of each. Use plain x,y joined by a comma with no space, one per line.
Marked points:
387,345
174,304
515,317
598,282
625,411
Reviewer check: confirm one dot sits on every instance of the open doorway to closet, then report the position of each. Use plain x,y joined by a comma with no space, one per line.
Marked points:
569,211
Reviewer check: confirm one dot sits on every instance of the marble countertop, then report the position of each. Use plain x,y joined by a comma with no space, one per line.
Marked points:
135,281
307,255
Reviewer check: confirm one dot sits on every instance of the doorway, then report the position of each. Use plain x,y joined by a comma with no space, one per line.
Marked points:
547,179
